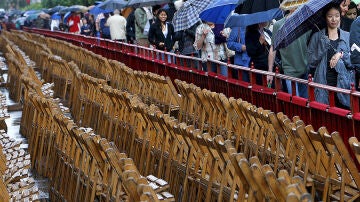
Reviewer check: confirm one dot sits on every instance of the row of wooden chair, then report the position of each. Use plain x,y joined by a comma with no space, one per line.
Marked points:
28,44
188,150
149,86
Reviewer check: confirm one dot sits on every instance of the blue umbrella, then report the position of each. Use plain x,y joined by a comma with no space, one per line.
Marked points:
188,14
243,20
56,16
218,11
97,10
305,18
66,16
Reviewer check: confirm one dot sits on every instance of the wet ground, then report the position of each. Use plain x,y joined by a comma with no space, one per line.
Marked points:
13,125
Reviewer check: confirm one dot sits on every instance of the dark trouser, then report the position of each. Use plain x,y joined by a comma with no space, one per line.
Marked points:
190,62
357,80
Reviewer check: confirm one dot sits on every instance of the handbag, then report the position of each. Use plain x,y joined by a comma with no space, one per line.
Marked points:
231,53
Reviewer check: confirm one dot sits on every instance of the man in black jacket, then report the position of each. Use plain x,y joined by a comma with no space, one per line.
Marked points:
355,49
130,27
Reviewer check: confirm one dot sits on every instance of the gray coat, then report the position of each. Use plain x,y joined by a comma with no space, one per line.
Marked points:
317,58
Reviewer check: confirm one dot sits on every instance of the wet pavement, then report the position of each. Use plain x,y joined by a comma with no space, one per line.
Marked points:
13,128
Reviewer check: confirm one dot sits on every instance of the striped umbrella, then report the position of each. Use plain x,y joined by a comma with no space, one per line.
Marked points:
305,18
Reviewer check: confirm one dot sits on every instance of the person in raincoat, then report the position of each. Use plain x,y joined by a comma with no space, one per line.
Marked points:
329,54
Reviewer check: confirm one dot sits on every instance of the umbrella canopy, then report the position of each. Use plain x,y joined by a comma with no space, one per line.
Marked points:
44,16
74,8
55,9
144,3
20,20
32,17
254,6
30,12
188,14
219,10
305,18
253,12
96,11
112,4
243,20
66,17
56,16
15,12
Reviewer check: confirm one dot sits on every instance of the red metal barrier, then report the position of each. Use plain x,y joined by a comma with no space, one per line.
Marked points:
347,122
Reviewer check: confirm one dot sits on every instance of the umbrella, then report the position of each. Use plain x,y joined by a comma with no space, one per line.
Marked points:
44,16
30,12
305,18
243,20
144,3
188,14
218,10
74,8
253,12
55,9
20,20
32,17
15,12
112,4
96,11
66,16
56,16
254,6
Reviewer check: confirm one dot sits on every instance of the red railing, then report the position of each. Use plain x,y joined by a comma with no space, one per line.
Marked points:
347,122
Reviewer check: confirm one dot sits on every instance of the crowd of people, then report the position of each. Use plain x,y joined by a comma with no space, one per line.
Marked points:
326,53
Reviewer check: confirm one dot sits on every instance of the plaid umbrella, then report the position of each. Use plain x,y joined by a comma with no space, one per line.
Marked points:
188,14
305,18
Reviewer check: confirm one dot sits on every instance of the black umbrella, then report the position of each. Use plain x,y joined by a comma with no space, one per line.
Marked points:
254,12
254,6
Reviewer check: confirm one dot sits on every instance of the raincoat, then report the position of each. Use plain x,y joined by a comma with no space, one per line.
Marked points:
317,58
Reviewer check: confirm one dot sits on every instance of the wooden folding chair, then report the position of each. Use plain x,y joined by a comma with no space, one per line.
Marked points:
355,146
341,167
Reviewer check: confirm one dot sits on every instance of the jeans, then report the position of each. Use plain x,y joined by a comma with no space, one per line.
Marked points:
168,58
301,89
223,68
189,62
